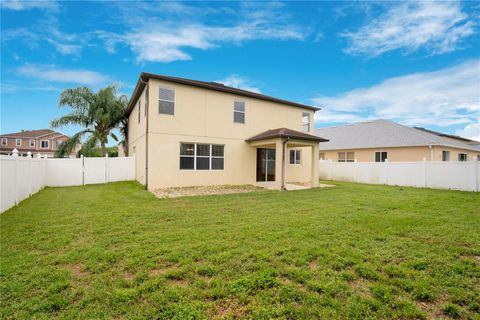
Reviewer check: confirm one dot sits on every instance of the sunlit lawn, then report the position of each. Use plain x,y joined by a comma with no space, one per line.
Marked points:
350,251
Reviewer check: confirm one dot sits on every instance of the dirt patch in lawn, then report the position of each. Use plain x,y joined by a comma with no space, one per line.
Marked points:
204,190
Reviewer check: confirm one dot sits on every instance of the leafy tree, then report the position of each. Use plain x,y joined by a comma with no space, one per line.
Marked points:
98,113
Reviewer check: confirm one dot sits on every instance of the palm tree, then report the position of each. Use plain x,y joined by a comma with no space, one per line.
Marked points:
99,113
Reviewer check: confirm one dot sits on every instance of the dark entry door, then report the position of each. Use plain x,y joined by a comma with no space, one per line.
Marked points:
265,164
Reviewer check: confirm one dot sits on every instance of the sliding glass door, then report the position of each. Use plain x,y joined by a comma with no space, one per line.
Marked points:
265,164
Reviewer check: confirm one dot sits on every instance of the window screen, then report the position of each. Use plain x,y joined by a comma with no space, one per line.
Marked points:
166,101
305,121
462,157
381,156
295,156
239,111
201,156
445,155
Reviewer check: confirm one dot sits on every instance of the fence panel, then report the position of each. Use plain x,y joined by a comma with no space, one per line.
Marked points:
454,175
120,169
8,184
24,176
442,175
94,170
64,172
408,174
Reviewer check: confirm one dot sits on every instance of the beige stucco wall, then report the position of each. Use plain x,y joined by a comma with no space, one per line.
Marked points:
400,154
206,116
299,172
137,138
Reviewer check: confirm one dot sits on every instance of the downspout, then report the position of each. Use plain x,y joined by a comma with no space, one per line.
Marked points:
284,147
431,152
147,87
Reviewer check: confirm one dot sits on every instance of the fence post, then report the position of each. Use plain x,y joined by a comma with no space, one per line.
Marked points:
477,177
424,172
385,171
355,171
83,169
29,157
15,166
106,169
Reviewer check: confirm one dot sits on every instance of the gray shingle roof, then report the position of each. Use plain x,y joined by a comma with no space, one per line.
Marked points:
382,134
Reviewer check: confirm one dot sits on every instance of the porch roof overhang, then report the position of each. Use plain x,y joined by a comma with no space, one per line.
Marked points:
284,133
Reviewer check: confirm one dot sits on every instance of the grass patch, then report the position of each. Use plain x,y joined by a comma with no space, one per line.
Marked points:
353,251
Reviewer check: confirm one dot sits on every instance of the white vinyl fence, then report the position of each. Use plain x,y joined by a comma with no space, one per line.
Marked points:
424,174
23,176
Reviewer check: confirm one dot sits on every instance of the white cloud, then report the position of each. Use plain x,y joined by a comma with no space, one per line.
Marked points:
239,82
19,5
66,49
167,39
471,131
446,97
435,26
53,74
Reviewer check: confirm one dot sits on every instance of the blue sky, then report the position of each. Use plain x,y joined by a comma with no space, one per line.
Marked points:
417,63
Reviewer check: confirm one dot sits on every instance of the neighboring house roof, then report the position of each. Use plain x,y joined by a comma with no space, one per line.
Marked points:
285,133
142,82
382,134
446,135
32,134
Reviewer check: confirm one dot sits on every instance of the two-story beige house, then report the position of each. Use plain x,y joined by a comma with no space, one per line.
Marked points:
43,141
189,133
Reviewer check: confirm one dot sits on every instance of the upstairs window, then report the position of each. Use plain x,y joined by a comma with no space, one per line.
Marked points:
305,122
32,143
138,111
445,155
4,141
44,144
200,156
462,157
166,101
239,111
295,156
18,142
381,156
346,156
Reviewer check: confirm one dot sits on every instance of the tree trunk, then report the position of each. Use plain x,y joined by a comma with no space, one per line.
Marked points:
104,150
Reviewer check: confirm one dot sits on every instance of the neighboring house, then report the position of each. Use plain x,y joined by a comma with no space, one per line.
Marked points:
44,141
382,140
188,133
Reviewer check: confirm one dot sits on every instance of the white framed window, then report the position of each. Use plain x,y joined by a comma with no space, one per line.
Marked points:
201,156
166,101
4,141
305,121
295,156
445,155
462,157
381,156
138,111
238,111
44,144
18,142
346,156
32,142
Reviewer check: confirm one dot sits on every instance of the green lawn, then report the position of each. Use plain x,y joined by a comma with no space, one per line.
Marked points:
351,251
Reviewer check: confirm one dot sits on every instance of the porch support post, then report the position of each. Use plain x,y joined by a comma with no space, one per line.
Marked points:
314,169
278,164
